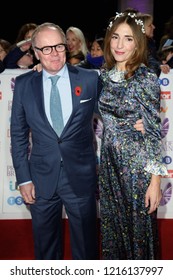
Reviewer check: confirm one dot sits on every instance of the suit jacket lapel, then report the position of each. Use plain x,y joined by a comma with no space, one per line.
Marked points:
75,86
39,96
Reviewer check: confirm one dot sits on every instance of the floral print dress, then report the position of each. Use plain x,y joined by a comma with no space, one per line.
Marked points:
127,160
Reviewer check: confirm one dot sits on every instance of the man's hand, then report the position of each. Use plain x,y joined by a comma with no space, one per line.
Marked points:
28,193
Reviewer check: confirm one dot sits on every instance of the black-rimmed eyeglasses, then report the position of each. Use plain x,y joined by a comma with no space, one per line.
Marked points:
49,49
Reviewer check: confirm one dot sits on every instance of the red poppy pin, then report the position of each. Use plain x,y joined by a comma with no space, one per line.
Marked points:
78,90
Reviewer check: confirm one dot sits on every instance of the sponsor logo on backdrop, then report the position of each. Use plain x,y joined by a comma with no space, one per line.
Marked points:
167,146
163,109
166,194
164,81
165,95
165,127
15,200
167,160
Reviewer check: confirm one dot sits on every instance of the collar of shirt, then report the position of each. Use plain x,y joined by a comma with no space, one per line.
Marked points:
60,73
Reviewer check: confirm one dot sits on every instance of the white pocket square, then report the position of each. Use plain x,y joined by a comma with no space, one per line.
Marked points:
85,100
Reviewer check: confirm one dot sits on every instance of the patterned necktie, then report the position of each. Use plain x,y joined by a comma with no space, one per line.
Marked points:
55,106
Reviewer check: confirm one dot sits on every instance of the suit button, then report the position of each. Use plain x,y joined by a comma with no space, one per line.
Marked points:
59,141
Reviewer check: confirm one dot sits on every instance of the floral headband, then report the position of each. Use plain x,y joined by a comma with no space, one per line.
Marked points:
132,15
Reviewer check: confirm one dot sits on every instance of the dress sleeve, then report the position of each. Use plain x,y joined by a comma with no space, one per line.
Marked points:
148,95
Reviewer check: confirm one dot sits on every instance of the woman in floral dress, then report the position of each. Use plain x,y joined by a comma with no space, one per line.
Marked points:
131,162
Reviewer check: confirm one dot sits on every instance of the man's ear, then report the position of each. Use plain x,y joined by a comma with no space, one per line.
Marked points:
36,55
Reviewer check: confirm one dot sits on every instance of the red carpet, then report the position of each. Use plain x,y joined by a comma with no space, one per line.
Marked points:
16,240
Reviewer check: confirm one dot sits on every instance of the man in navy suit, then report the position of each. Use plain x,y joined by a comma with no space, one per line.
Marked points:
58,169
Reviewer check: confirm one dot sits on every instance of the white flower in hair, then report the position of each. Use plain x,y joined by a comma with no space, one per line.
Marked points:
140,22
132,15
118,15
110,24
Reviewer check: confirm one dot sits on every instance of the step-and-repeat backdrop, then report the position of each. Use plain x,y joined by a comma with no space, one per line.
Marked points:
11,203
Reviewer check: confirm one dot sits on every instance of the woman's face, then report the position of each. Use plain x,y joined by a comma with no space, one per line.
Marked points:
28,35
122,45
73,43
149,28
96,49
2,53
169,56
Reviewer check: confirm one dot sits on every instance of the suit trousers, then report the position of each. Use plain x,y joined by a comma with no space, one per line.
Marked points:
47,223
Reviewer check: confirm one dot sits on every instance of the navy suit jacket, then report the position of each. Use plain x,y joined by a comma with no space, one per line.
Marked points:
41,163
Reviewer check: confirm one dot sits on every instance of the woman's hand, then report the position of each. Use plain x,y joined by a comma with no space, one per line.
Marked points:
153,195
38,67
165,68
139,126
